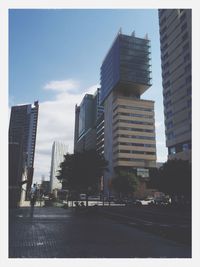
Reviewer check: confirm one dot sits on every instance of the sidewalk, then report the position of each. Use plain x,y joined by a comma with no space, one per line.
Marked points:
36,236
63,233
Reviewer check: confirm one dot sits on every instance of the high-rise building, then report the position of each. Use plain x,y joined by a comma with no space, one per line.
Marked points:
86,120
58,151
175,42
22,138
129,125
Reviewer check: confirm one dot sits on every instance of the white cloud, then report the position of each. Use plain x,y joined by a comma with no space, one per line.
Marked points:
158,124
56,123
63,85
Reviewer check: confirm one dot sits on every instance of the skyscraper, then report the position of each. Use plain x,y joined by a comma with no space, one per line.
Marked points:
86,120
175,42
22,138
58,151
129,126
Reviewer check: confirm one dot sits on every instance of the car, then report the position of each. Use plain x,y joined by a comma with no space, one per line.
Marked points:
147,201
162,201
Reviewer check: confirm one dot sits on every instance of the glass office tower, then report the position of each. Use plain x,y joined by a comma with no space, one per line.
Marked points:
22,139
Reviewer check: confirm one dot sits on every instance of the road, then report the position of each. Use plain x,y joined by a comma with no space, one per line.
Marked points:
174,224
64,233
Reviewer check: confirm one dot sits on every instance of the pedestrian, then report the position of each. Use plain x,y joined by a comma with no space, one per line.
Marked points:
33,198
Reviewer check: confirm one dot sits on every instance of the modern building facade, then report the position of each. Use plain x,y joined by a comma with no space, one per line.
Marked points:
58,151
175,42
86,120
129,124
22,138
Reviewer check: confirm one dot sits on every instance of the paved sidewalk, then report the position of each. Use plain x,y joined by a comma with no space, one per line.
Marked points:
64,233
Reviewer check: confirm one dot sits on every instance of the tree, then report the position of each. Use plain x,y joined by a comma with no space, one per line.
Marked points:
81,172
154,178
175,178
125,183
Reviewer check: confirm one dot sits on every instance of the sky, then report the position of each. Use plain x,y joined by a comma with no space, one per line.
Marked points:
55,57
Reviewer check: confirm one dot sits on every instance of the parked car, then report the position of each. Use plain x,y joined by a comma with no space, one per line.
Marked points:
147,201
162,201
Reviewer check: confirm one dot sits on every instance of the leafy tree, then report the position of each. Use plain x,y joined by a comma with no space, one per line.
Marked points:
81,172
154,178
175,178
125,183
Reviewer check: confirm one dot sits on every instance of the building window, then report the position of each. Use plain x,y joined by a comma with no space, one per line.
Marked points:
188,79
168,104
187,57
168,114
186,46
182,18
185,36
184,26
187,68
172,150
189,91
170,136
163,21
185,147
169,125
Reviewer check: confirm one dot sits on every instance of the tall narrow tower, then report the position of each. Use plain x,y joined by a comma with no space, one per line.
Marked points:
58,151
129,126
175,43
22,138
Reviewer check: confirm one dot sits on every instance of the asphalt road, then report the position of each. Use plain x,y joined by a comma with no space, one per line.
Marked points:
174,224
64,233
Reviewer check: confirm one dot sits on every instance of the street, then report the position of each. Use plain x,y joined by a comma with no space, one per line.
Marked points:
65,233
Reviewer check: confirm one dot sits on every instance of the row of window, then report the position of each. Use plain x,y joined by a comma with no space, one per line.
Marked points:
187,79
133,108
169,113
134,152
133,115
133,122
134,137
134,144
171,134
134,129
179,148
130,159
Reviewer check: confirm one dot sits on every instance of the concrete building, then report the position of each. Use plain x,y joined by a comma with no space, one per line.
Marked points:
175,42
129,125
58,151
22,138
87,118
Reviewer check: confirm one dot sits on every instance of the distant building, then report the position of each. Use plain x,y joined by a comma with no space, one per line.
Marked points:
22,138
86,121
129,123
45,187
175,43
58,151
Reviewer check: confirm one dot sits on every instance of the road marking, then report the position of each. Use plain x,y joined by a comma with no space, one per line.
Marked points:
43,216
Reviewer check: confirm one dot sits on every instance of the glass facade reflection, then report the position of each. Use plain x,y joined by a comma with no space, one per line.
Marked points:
127,64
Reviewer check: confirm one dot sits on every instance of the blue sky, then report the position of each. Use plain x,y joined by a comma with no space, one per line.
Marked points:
55,56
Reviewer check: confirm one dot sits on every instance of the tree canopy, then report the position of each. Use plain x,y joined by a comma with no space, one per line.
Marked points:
125,183
173,178
81,172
